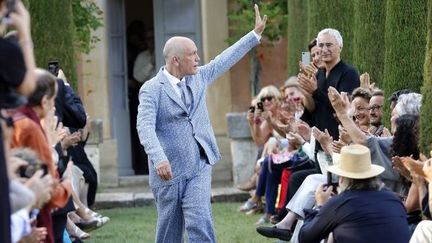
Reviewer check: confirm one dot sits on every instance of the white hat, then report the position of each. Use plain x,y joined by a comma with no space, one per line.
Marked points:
355,163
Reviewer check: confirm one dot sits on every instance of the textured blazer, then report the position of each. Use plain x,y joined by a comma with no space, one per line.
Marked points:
169,131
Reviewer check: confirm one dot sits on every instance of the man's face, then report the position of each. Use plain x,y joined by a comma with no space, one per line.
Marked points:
330,49
376,104
361,112
188,63
316,56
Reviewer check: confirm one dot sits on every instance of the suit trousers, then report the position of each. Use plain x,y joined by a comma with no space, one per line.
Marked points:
186,205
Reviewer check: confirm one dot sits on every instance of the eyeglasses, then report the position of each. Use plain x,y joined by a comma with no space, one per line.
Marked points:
268,98
375,107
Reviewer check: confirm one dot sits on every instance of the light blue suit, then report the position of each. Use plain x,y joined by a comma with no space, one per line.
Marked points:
170,132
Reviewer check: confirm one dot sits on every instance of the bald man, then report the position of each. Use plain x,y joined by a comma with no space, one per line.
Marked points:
174,128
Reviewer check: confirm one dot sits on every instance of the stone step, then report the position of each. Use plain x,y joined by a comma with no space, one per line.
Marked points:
127,198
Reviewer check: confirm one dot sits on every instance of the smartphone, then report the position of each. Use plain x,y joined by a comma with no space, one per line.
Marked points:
260,106
252,109
332,181
29,170
306,58
54,67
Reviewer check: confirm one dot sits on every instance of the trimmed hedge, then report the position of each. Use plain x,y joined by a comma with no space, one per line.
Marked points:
53,35
297,34
426,110
405,42
336,14
369,41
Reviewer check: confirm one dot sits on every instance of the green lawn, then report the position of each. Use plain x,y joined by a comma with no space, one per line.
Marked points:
138,225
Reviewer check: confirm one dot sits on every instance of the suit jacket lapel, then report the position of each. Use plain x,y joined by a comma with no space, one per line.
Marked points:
169,90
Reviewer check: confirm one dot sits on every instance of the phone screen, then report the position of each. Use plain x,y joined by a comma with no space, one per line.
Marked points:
306,58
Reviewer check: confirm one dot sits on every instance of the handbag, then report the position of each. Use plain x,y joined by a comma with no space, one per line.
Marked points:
299,161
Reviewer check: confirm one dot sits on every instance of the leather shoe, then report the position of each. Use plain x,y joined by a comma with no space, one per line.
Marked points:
274,232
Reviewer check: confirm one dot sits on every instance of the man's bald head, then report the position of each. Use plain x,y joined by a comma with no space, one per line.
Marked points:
176,46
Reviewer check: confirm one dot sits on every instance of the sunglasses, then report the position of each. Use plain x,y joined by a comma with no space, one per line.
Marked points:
268,98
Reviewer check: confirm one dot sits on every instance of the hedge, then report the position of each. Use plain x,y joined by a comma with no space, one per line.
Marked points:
369,42
53,34
335,14
297,34
405,42
426,110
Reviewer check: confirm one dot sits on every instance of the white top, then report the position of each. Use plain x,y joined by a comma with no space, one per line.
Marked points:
174,81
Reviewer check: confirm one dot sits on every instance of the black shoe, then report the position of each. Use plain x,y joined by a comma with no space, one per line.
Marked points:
273,232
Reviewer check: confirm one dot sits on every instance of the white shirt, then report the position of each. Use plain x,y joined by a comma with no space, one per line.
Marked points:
174,81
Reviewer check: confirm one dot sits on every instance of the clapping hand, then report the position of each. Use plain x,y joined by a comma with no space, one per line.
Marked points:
324,139
340,102
307,84
259,22
365,82
427,170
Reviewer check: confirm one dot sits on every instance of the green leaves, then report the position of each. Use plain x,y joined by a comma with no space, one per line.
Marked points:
87,17
242,19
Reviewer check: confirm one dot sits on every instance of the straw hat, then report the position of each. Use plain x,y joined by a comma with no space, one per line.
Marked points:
355,163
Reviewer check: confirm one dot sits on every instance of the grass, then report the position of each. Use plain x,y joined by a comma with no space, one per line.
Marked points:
139,224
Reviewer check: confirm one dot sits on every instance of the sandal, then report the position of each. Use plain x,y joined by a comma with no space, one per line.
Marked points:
247,206
75,232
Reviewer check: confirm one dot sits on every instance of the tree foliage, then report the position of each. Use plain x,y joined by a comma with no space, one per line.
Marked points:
53,34
405,46
369,41
336,14
296,33
242,19
426,110
87,18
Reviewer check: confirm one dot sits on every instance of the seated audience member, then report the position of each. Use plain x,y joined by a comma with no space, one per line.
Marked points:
29,132
376,111
363,211
381,148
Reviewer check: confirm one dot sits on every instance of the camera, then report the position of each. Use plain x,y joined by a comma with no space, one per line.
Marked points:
54,67
260,106
28,171
252,109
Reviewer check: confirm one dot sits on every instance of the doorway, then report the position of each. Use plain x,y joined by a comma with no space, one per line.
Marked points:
140,68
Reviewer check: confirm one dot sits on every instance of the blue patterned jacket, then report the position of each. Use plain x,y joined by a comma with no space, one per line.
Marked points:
168,131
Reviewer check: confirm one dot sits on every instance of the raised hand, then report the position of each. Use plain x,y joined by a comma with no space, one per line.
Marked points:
259,22
324,139
307,84
340,102
365,82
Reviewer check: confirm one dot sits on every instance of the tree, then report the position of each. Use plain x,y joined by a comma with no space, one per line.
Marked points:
296,33
336,14
243,19
369,42
53,34
405,42
426,110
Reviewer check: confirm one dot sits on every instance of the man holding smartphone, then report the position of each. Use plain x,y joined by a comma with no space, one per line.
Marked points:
335,73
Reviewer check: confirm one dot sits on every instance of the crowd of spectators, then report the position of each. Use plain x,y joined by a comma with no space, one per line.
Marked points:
47,183
327,167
